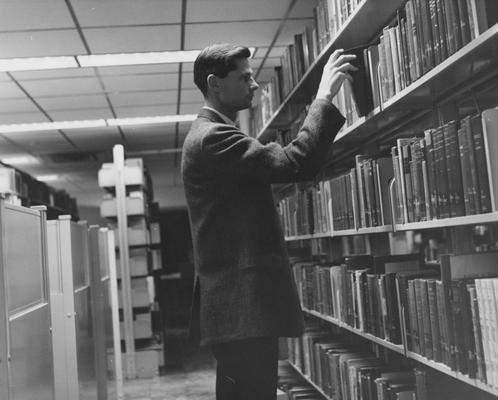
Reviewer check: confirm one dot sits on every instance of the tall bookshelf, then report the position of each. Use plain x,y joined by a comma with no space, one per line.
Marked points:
334,218
132,216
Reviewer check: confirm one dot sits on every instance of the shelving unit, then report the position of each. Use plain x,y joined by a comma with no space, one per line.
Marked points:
384,343
127,206
318,388
442,94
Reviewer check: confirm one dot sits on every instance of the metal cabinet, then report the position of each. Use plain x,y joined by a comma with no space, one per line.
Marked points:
72,310
26,364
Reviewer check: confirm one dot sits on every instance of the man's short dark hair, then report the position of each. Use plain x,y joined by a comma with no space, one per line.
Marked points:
219,60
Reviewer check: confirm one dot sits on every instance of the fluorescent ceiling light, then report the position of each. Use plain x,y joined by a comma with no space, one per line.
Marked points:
100,60
20,160
49,126
163,57
37,63
163,119
48,178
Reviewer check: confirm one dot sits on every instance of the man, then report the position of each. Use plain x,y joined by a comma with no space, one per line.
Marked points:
245,296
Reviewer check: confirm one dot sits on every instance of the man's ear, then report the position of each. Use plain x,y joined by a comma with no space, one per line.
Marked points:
213,83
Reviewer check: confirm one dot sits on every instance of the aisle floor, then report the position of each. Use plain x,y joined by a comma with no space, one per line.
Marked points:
194,381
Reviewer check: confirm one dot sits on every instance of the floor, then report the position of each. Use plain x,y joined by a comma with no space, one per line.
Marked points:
195,380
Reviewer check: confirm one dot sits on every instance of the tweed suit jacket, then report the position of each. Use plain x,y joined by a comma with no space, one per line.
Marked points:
244,287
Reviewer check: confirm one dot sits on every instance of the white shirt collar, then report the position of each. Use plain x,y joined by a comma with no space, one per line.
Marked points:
225,119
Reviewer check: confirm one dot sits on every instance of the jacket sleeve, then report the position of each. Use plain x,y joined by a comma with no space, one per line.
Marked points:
230,154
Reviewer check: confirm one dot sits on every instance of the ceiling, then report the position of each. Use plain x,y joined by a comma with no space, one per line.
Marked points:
34,28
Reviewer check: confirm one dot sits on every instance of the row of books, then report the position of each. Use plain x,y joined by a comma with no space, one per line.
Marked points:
292,386
349,372
30,191
329,16
361,292
449,172
422,35
446,313
457,328
306,211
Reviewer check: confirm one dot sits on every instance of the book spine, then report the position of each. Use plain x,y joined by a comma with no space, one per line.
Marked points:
435,32
426,319
481,165
455,186
405,154
434,320
442,30
420,316
463,14
443,331
476,329
483,322
463,150
441,172
449,16
389,75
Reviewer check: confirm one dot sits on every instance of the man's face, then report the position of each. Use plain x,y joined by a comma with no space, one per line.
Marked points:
237,88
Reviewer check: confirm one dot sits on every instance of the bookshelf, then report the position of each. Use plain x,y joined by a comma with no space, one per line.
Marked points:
357,30
307,378
454,374
384,343
395,215
468,67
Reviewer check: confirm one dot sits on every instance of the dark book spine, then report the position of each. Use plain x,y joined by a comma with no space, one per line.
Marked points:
455,187
441,172
458,346
463,14
468,357
481,165
476,330
431,168
426,319
463,150
427,34
420,316
474,194
442,29
408,181
371,305
457,32
443,332
435,32
394,331
449,15
434,320
412,304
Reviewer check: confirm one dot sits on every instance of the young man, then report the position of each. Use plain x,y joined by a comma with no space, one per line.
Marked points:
245,296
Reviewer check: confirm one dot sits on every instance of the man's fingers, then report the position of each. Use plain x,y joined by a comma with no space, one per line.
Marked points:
344,58
335,55
346,67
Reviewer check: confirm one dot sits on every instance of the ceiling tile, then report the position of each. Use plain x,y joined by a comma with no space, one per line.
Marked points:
22,118
34,14
140,82
146,111
55,87
226,10
4,76
41,43
81,114
9,90
245,33
139,69
72,102
7,148
133,39
17,105
126,12
145,98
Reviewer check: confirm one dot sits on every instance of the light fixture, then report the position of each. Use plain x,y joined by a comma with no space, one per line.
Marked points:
20,160
162,119
48,178
100,60
163,57
49,126
37,63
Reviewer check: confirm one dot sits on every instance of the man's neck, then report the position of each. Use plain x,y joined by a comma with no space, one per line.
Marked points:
218,107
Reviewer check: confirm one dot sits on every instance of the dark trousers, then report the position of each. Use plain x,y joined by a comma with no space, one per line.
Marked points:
247,369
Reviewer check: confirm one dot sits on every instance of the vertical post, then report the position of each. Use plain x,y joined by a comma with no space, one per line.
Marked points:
4,340
118,157
116,337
